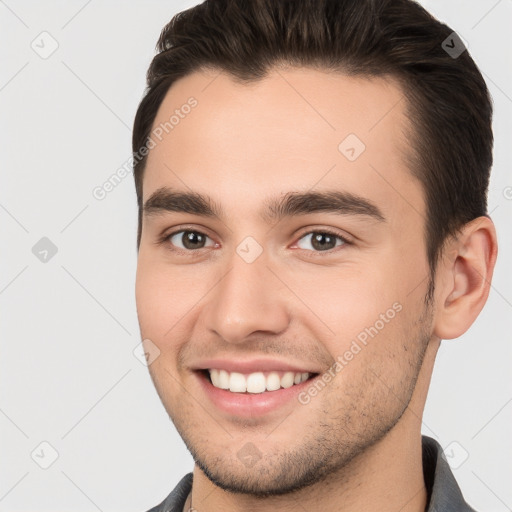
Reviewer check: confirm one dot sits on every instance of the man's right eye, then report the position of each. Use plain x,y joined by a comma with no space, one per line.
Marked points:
187,240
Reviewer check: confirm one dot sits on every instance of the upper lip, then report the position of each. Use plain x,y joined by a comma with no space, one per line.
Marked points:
252,366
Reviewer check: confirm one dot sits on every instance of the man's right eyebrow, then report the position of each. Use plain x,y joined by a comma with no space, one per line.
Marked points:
274,209
165,199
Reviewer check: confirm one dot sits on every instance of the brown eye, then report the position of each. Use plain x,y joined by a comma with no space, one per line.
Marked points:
322,241
188,240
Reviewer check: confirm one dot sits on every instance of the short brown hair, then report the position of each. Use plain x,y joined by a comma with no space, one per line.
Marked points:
448,102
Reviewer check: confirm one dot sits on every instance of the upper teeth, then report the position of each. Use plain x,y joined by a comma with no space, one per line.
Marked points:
256,382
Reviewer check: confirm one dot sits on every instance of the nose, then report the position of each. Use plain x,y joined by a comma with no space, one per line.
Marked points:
248,299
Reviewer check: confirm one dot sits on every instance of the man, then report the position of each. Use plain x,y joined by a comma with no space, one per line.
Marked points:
311,179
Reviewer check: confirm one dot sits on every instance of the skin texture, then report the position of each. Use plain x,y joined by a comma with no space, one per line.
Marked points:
357,444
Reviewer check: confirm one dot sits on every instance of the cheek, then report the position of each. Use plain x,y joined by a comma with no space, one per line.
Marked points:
159,310
359,314
157,302
348,299
168,300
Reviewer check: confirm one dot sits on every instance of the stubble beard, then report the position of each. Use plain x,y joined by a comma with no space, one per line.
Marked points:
331,446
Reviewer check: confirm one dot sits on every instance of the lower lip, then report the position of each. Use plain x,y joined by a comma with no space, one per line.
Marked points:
251,404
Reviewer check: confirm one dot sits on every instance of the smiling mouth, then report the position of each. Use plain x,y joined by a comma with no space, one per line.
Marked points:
256,382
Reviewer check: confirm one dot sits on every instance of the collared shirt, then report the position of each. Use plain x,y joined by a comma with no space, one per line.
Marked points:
443,493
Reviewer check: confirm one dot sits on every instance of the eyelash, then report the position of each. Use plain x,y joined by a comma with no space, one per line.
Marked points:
165,239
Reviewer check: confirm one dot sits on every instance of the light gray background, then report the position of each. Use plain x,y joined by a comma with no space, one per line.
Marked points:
68,375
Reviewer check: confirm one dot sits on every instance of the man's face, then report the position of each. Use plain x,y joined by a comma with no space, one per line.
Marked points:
284,293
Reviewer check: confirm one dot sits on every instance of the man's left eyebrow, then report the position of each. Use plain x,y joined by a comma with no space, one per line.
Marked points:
274,209
329,201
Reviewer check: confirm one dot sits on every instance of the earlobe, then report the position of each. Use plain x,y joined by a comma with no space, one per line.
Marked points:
466,278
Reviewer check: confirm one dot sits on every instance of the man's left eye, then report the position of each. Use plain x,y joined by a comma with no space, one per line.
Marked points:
322,241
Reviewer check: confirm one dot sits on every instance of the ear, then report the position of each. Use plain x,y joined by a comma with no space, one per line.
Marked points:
464,278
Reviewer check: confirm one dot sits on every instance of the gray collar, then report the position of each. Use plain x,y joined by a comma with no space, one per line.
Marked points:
443,491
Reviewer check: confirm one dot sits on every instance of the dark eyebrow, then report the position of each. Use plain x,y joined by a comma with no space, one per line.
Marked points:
303,203
165,199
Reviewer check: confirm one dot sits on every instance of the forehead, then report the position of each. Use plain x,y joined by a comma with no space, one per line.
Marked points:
296,129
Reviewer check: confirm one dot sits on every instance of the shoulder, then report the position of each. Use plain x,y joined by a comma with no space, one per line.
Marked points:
442,488
176,499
